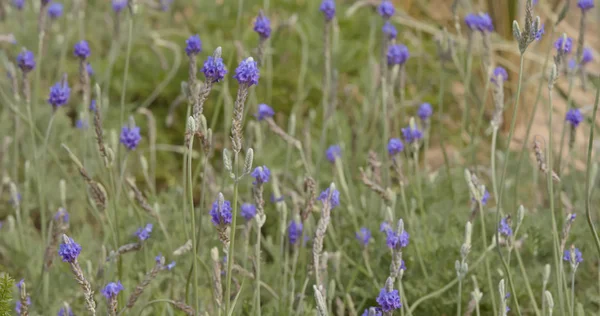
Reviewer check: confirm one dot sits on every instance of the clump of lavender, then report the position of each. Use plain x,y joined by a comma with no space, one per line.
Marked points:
59,93
574,117
563,45
19,4
328,9
82,50
331,197
262,26
479,22
60,225
264,111
143,233
69,251
504,227
585,5
247,75
396,240
499,74
214,70
397,54
261,175
294,231
111,292
248,211
26,61
333,152
220,212
573,256
363,236
193,45
389,299
395,146
386,9
389,30
425,111
412,134
119,5
55,10
130,135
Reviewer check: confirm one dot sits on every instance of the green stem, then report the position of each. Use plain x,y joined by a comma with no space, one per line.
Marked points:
527,283
488,272
193,219
257,307
573,292
588,193
459,297
231,251
467,85
126,71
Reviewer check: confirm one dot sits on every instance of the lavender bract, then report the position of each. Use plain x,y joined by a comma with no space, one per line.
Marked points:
214,69
396,240
82,50
395,146
264,111
540,32
261,175
143,233
363,236
389,301
112,289
504,228
55,10
130,137
59,94
333,201
193,45
248,211
294,232
425,111
479,22
262,25
333,152
69,251
247,72
390,30
221,216
328,9
386,9
499,72
574,117
26,61
563,45
397,54
585,5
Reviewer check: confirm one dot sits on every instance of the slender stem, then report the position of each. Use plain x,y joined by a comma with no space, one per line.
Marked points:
126,71
527,283
493,162
573,292
467,85
487,263
231,251
193,219
257,307
459,297
588,192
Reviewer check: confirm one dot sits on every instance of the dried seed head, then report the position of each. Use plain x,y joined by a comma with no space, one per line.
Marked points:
227,160
248,161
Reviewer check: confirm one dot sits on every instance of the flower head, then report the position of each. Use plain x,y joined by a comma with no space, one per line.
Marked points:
261,175
389,301
262,25
18,305
386,9
248,211
59,93
112,289
69,250
82,50
563,45
264,111
62,215
93,106
574,117
328,9
20,284
294,231
130,137
499,72
333,152
223,215
214,69
390,30
572,64
143,233
171,265
334,199
119,5
19,4
26,61
411,134
396,240
585,5
425,111
479,22
55,10
89,69
384,227
247,72
397,54
587,56
539,33
577,259
504,227
65,311
193,45
363,236
377,312
395,146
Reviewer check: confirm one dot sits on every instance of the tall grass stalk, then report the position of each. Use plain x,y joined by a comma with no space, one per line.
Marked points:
193,219
588,192
231,250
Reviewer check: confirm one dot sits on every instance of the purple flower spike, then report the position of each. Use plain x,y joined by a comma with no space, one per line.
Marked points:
425,111
130,137
328,9
55,10
386,9
221,216
59,93
93,105
261,175
587,56
585,5
504,228
539,33
247,72
262,25
334,200
18,305
119,5
333,152
411,134
82,50
143,233
574,117
395,146
397,54
578,256
69,251
264,111
564,46
65,311
248,211
19,4
396,240
479,22
294,232
62,215
499,71
26,61
377,311
193,45
214,69
390,30
389,301
363,236
112,289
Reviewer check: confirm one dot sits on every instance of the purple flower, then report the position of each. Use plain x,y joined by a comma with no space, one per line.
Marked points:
89,69
274,199
62,215
384,227
578,256
587,56
26,61
395,146
171,265
504,228
59,93
402,265
334,200
499,71
484,199
264,111
333,152
363,236
214,69
18,305
143,233
328,9
247,72
574,117
55,10
411,134
539,33
585,5
65,311
386,9
69,251
572,217
81,124
563,46
165,4
221,216
389,301
112,289
119,5
20,284
262,25
93,105
377,311
572,64
130,137
248,211
158,258
294,232
390,30
479,22
397,54
82,50
193,45
396,240
261,175
425,111
19,4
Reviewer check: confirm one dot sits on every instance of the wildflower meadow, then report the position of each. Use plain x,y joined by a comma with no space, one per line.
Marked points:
299,157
